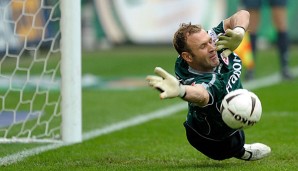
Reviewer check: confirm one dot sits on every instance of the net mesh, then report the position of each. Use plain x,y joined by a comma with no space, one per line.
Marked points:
30,70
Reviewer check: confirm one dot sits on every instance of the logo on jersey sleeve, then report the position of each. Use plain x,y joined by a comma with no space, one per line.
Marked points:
224,58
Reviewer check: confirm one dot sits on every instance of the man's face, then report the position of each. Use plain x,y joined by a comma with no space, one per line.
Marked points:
204,55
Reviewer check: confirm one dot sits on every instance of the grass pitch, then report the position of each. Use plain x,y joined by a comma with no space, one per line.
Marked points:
160,144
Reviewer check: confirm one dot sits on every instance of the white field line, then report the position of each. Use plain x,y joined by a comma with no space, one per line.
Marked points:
136,120
267,81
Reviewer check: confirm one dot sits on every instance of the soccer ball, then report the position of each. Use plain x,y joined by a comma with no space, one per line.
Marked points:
241,109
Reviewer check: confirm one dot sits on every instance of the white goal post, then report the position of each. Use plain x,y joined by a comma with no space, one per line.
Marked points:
71,71
40,71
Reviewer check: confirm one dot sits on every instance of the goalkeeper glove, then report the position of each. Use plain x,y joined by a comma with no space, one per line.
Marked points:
169,86
230,40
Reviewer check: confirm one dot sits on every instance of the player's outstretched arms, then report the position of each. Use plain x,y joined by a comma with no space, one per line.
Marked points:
170,87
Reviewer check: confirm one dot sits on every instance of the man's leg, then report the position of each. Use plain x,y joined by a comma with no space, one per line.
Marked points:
279,16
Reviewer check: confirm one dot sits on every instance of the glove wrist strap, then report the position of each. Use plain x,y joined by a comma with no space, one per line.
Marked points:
182,91
239,29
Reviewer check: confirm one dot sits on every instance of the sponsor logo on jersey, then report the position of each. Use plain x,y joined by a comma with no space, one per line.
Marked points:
236,74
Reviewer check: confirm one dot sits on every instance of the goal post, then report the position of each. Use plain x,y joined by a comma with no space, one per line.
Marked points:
40,71
71,70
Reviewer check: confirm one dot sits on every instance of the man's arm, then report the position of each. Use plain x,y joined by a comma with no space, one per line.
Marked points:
239,19
197,94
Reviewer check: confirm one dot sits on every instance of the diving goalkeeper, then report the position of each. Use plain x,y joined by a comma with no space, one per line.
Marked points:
206,70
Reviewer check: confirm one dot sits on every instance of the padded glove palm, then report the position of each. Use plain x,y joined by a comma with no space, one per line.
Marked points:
169,86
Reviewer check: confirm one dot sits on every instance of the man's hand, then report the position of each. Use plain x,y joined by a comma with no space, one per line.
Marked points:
230,40
169,86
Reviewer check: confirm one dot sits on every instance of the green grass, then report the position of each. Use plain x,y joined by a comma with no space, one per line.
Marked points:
161,144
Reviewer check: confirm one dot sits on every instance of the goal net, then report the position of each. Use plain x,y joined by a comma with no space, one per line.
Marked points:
39,90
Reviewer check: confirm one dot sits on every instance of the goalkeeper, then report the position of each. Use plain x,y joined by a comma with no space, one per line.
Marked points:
207,70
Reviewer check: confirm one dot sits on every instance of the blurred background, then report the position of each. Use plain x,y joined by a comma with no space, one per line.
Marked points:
113,22
108,23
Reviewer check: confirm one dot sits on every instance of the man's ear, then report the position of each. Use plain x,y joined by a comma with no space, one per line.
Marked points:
186,56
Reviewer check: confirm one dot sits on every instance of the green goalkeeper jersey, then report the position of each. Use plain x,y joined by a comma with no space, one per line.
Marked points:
207,120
